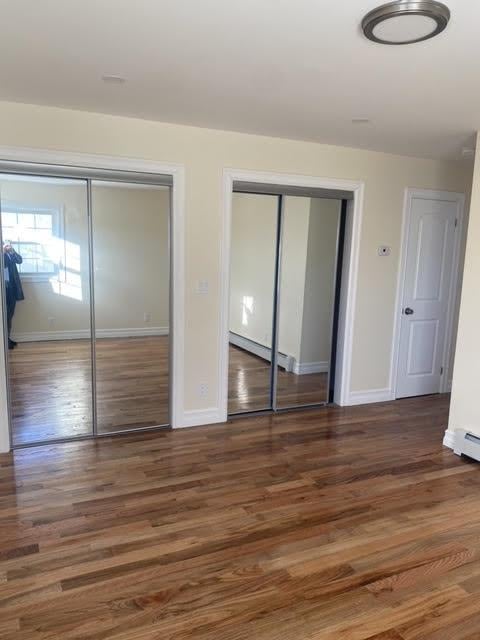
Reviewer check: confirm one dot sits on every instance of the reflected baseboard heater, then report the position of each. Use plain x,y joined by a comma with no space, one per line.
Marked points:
467,444
261,350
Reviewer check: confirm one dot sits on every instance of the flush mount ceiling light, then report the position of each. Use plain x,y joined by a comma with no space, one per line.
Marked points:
405,22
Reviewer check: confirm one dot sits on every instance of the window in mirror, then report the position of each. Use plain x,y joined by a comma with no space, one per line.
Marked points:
46,288
35,233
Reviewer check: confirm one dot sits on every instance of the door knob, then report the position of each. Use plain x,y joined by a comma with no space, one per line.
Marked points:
408,311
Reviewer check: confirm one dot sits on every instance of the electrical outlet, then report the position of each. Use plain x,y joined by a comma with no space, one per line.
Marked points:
147,316
51,321
203,390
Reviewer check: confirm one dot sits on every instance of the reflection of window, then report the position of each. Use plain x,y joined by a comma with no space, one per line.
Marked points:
34,233
247,309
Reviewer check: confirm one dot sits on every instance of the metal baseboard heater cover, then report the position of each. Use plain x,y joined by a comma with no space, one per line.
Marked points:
467,444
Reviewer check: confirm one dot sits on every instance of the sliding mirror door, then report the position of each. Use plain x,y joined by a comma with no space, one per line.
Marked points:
46,298
253,251
308,270
131,266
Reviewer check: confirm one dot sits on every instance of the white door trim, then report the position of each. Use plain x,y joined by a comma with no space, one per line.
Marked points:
459,199
46,156
349,286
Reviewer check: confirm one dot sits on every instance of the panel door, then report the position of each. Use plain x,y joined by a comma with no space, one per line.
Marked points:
428,278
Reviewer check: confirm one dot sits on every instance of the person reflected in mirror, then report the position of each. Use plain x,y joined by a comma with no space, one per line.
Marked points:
13,285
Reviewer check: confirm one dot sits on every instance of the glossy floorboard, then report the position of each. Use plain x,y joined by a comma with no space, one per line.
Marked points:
249,385
51,386
331,524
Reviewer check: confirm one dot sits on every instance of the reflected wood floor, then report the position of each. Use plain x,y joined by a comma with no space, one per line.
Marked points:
249,384
51,387
328,524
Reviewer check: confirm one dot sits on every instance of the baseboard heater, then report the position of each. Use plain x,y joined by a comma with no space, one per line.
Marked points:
467,444
260,350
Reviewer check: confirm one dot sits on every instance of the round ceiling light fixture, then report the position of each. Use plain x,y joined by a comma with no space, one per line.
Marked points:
405,21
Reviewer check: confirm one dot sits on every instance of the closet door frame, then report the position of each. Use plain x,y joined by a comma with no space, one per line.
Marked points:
276,303
346,307
37,162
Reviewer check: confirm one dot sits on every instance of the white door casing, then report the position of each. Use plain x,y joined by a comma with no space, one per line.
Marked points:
349,275
97,161
431,248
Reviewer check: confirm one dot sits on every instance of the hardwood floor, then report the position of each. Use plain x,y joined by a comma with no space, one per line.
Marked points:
329,524
132,383
249,384
51,388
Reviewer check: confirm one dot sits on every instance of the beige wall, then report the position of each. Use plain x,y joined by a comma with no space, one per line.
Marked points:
252,269
131,259
307,273
130,243
252,266
320,281
292,275
465,408
205,153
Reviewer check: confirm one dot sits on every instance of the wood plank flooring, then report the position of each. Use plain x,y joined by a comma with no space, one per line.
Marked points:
249,384
51,386
331,524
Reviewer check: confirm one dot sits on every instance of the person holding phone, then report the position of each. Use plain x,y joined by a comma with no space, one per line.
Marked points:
13,285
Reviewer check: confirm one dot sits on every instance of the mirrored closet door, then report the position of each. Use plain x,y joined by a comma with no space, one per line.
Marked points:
130,224
46,289
253,263
308,270
284,298
86,302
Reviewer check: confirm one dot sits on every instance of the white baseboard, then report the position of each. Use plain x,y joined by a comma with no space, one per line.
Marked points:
200,417
449,439
369,397
305,368
260,350
132,332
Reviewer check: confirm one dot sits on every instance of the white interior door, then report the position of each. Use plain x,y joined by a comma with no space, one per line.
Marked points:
428,273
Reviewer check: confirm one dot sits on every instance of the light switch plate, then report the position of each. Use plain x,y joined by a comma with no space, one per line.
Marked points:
202,287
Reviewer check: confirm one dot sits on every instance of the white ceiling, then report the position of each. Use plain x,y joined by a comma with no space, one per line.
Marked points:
297,69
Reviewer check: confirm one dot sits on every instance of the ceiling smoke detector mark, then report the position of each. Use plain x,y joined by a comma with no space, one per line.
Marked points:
112,78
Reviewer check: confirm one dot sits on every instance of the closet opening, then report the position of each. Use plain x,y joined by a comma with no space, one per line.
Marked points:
287,263
86,294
